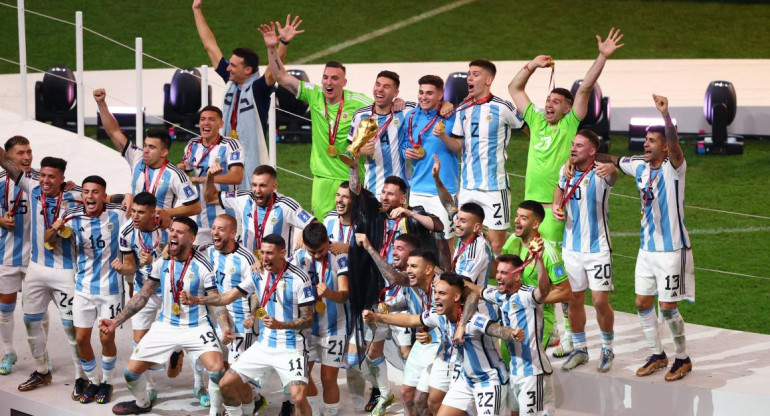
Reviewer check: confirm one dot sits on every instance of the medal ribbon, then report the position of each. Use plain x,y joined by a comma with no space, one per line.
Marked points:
426,301
419,135
176,286
234,112
259,230
156,240
157,178
462,249
384,290
6,202
266,295
470,103
384,126
48,224
333,134
322,276
207,151
388,238
574,187
650,182
342,232
552,80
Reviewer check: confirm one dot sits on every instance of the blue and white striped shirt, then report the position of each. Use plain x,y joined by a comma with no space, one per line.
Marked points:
231,269
15,243
130,245
586,228
198,278
335,320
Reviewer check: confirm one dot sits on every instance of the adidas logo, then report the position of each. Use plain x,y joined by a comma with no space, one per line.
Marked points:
498,223
674,294
299,374
606,284
531,411
336,360
487,412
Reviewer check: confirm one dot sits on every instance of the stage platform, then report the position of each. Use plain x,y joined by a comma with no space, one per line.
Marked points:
730,376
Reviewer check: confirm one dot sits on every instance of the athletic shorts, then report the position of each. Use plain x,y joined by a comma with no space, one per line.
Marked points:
588,270
496,204
163,339
239,344
528,394
45,284
432,205
87,308
147,315
324,190
443,374
11,278
416,369
328,350
668,274
259,361
489,400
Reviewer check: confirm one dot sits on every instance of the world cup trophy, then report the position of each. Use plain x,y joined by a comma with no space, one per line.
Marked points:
367,129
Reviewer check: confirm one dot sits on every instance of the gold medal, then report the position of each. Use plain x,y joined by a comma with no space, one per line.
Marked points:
320,307
65,232
382,307
332,151
533,246
176,309
233,134
440,128
420,152
260,313
217,160
258,255
48,246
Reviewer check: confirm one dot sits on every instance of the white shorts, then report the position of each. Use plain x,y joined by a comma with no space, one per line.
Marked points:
432,205
163,339
416,369
489,400
588,270
529,394
88,308
147,315
328,350
668,274
259,361
240,343
496,204
43,285
11,278
444,374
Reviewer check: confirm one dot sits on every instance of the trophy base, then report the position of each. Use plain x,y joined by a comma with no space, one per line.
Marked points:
348,158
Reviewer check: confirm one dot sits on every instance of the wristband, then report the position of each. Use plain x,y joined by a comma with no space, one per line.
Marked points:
285,42
526,66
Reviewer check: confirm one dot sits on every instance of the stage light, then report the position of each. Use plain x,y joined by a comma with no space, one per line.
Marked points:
719,108
182,102
637,130
597,116
456,87
291,128
56,98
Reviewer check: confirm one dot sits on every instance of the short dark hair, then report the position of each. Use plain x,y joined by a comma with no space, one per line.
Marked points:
396,180
453,279
391,76
160,134
434,80
54,162
265,170
16,141
411,240
426,255
513,259
591,136
657,129
535,207
145,199
314,235
189,222
250,58
95,179
485,64
210,108
564,93
473,209
275,240
336,64
345,185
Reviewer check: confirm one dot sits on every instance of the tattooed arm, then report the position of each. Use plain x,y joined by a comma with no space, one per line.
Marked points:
13,170
504,333
450,205
672,136
132,307
388,272
304,321
472,294
215,299
276,67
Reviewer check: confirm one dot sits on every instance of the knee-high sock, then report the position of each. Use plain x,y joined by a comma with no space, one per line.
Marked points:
37,339
607,338
649,324
379,371
108,368
214,393
356,382
138,387
315,407
6,325
69,331
234,410
676,326
331,409
197,376
89,367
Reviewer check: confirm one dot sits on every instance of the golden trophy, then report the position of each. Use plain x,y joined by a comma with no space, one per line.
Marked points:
367,129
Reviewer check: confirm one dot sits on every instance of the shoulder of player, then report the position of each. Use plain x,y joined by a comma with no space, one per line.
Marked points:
500,101
240,193
230,143
331,215
550,253
363,111
75,210
203,260
298,272
286,200
357,97
127,229
245,253
180,174
194,140
114,207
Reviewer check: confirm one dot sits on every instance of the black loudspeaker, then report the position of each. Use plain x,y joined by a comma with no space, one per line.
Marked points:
720,107
292,118
597,116
456,87
181,103
56,98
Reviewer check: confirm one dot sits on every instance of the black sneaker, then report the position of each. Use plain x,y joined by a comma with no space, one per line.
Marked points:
36,380
287,409
104,394
80,387
130,408
373,398
259,404
90,394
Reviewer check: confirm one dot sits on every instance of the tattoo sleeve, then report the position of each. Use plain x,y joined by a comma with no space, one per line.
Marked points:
304,321
13,170
223,318
138,301
221,299
450,205
388,272
498,331
471,305
672,137
355,181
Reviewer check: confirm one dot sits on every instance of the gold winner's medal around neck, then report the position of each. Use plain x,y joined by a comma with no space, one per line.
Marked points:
233,134
382,307
260,313
65,232
331,151
176,309
420,152
48,246
320,307
534,246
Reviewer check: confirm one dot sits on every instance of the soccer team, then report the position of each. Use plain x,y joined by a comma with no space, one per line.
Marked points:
216,270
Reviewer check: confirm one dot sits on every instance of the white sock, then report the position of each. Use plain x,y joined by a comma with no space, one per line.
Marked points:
676,326
69,331
379,370
89,367
6,326
108,368
649,323
248,408
36,337
138,387
331,409
314,405
214,394
234,411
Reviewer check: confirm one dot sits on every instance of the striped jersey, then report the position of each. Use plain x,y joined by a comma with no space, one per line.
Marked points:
334,321
337,231
528,358
387,159
475,260
485,130
170,185
197,279
661,192
586,228
97,241
15,242
447,351
63,254
419,302
284,215
231,269
228,154
133,241
292,291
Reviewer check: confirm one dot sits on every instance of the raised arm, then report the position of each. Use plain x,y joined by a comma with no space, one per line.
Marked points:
275,65
404,320
205,33
355,179
675,154
215,299
210,191
285,34
109,122
443,194
606,48
472,294
516,87
11,168
388,272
